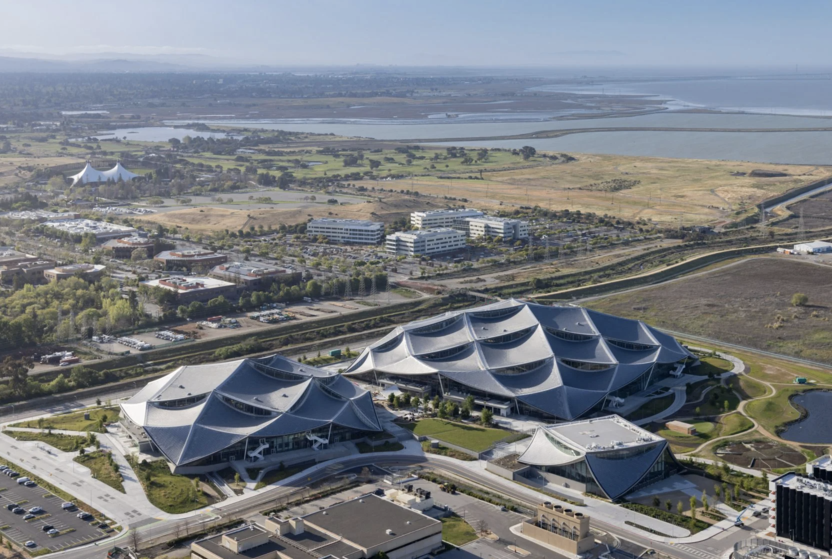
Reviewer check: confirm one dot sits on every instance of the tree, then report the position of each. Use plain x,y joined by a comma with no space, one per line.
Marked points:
656,501
800,300
717,492
668,505
135,538
486,416
680,508
527,152
726,406
726,492
237,478
705,501
736,491
693,507
391,398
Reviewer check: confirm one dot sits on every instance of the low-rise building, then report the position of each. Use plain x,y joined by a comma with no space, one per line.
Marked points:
560,528
347,231
89,272
681,427
9,256
425,242
29,271
433,219
802,510
124,247
814,247
189,289
253,276
101,229
189,259
500,227
356,529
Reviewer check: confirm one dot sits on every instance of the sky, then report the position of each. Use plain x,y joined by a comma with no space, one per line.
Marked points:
485,33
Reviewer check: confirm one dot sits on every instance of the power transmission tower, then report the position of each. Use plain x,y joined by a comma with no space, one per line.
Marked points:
361,291
348,288
373,291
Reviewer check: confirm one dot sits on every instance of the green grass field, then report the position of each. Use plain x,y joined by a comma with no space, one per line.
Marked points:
99,464
776,411
456,531
74,421
172,493
713,365
66,443
471,437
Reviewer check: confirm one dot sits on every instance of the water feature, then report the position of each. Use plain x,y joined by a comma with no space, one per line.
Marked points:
814,427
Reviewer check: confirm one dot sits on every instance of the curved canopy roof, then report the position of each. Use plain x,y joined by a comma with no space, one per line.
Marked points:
199,410
90,174
560,360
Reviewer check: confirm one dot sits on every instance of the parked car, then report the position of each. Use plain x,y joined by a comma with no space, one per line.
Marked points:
84,515
30,483
22,480
11,506
67,506
18,510
47,527
28,516
36,510
53,532
30,544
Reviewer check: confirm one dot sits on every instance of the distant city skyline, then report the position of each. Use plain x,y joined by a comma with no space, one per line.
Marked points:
535,33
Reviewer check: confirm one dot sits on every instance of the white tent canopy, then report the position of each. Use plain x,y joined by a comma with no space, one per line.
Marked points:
90,174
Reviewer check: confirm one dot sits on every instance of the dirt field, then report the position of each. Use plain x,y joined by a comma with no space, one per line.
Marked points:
218,218
817,213
697,191
761,455
747,303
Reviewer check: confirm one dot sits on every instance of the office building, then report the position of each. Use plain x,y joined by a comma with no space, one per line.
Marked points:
200,417
190,289
607,456
30,271
433,219
561,362
802,510
347,231
497,227
101,229
252,276
124,247
89,272
189,259
425,242
561,528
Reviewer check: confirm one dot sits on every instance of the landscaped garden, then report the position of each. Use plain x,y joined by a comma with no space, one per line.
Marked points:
66,443
74,421
103,468
456,531
472,437
170,492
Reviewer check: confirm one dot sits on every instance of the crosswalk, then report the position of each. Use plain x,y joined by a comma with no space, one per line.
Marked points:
694,551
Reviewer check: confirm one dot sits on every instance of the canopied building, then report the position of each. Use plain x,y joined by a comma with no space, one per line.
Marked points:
607,456
200,417
92,175
512,356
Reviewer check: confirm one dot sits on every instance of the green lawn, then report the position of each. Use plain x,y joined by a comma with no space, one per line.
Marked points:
172,493
405,292
715,365
74,421
102,468
445,451
472,437
776,411
366,448
652,407
735,423
66,443
456,531
276,475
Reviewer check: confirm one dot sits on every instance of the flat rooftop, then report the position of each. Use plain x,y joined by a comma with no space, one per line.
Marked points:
358,223
806,485
188,284
81,226
448,212
9,253
419,233
603,433
195,254
365,521
267,550
248,269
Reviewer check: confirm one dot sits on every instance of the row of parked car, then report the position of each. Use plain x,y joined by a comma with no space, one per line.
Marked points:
20,480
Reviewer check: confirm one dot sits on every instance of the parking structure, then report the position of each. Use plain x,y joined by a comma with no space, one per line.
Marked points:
72,531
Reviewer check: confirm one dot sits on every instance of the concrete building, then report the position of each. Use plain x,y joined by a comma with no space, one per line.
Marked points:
189,289
189,259
123,248
681,427
433,219
29,271
500,227
89,272
201,417
606,456
355,529
559,362
814,247
425,242
252,276
9,256
101,229
347,231
802,510
561,528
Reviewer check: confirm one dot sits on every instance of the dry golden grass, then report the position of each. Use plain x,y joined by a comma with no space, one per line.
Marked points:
695,191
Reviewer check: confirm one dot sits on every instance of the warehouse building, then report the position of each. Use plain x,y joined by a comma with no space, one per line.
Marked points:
123,248
189,259
814,247
190,289
425,242
606,456
347,231
200,417
101,229
513,356
434,219
89,272
497,227
254,276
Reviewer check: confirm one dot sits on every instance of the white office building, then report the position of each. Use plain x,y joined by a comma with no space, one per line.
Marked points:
501,227
352,231
434,219
425,242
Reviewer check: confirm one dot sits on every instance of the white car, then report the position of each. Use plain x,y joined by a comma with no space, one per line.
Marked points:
30,543
36,510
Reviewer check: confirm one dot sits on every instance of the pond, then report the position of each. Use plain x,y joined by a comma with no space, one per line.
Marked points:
815,427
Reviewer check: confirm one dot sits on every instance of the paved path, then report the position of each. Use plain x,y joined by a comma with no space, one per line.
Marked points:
678,403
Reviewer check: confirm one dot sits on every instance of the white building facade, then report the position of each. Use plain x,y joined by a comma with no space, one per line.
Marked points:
348,231
434,219
503,228
425,242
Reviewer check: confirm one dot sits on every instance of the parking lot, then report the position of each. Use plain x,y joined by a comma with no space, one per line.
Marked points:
72,530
